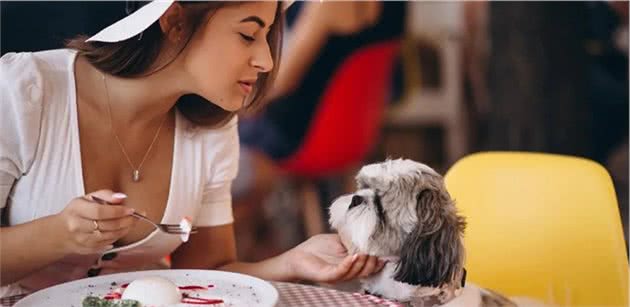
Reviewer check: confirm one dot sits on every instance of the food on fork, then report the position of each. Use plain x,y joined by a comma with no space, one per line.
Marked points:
186,226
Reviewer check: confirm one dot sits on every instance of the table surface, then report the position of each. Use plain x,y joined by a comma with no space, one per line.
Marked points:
298,295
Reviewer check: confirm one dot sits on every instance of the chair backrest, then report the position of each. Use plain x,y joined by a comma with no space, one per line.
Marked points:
541,225
347,121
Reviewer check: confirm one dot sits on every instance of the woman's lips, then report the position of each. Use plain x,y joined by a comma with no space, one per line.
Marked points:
246,87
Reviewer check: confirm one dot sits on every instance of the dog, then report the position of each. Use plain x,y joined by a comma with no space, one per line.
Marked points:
402,213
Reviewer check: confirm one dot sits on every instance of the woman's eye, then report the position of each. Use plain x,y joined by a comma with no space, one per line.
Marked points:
247,37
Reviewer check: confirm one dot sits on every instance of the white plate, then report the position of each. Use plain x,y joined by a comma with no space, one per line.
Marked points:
234,289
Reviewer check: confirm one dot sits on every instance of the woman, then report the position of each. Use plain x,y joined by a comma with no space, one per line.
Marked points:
141,115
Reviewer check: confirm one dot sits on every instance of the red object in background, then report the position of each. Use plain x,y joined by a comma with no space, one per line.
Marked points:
347,122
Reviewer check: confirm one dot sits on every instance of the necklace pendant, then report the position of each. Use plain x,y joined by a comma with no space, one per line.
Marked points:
136,176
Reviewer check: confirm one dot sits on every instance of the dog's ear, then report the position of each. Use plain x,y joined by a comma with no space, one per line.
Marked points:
432,253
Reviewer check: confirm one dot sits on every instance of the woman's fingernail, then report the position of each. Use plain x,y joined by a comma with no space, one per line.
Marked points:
119,196
130,210
108,247
354,257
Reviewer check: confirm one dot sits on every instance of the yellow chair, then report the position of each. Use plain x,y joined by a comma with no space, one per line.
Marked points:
543,226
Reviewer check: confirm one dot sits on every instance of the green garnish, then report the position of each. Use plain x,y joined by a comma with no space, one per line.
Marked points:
93,301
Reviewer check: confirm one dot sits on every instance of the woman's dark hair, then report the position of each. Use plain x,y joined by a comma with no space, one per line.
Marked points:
134,57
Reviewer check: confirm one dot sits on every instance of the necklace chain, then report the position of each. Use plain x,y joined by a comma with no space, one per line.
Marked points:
136,170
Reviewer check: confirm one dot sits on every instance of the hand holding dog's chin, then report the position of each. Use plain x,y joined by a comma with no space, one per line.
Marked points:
323,258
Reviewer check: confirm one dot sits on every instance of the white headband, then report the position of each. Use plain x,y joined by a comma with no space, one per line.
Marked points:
139,21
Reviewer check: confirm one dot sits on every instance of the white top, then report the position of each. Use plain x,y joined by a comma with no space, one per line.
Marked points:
41,171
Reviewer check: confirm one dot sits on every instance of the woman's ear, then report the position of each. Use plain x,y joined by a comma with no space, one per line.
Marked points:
172,23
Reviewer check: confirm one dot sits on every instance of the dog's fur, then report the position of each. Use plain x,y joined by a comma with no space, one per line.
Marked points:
402,212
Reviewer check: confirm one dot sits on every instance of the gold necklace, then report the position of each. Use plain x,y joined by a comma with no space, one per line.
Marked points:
135,175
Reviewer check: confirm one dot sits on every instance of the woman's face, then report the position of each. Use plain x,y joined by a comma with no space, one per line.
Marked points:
227,54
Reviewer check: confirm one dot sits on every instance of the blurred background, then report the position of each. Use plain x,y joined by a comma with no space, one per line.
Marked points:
433,82
429,81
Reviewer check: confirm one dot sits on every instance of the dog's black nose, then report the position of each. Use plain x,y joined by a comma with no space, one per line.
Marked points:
356,200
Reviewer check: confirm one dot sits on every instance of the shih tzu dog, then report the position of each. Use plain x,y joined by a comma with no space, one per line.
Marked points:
402,213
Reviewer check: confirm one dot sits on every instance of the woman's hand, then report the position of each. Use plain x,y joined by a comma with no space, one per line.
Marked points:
88,227
323,258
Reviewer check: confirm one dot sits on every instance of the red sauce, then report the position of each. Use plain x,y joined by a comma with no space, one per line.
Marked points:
201,301
192,288
113,296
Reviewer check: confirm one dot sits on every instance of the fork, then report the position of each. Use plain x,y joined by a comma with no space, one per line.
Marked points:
167,228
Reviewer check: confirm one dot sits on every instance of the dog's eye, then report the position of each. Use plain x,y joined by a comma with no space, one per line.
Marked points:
356,200
379,206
